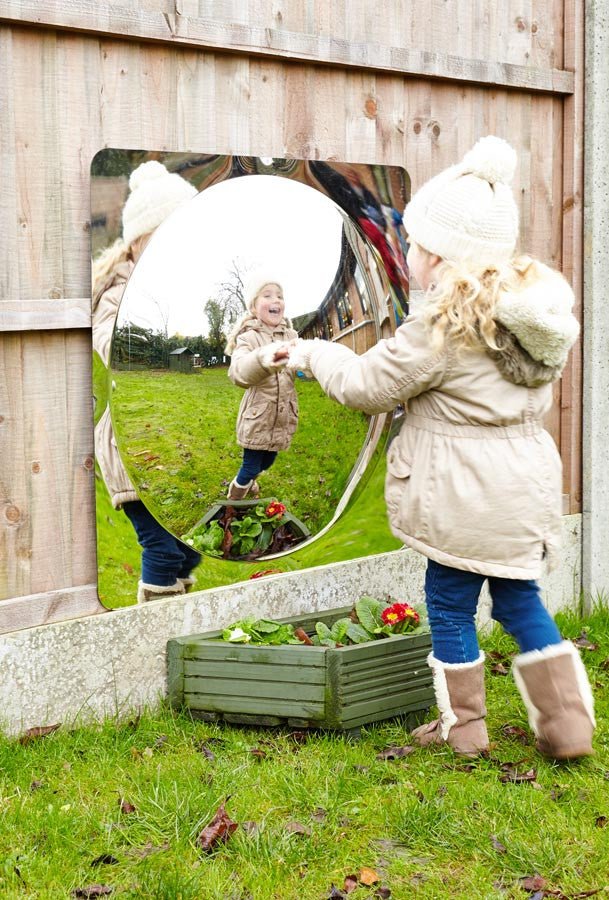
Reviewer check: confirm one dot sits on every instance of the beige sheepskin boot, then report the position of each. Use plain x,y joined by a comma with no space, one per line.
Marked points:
554,686
459,690
147,592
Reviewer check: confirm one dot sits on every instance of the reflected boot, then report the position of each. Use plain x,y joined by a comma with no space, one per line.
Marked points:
554,686
254,491
147,592
237,491
188,581
459,689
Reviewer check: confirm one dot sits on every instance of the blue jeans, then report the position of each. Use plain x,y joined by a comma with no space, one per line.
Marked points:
452,599
164,557
254,462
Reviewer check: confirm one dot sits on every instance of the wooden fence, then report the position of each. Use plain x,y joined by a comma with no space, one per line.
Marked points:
411,84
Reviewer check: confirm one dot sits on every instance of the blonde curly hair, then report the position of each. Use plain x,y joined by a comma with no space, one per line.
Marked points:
461,303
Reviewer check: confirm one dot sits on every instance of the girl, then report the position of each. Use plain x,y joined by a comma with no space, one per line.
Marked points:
473,481
167,563
268,414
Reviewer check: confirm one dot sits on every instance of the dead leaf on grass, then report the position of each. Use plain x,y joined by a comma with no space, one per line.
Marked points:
106,859
499,669
497,845
516,732
368,876
533,883
39,731
584,643
383,893
512,775
257,753
319,815
350,884
218,831
395,752
298,828
92,890
335,894
126,807
207,753
601,821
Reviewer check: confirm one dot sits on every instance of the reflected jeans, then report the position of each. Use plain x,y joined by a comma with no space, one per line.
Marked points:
254,462
164,557
452,599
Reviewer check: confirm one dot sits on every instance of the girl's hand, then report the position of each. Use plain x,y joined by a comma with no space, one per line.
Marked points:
274,356
300,357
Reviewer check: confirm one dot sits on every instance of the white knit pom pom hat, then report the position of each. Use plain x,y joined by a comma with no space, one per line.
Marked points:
155,193
255,282
468,212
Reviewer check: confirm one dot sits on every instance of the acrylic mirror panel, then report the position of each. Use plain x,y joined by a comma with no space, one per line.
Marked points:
332,233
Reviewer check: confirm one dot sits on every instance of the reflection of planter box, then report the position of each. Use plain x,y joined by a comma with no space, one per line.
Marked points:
300,685
298,528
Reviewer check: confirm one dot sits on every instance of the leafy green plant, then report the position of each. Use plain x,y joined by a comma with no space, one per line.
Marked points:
207,538
244,531
370,619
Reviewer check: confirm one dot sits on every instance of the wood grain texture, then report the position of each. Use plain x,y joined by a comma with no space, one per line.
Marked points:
45,315
49,607
87,16
129,82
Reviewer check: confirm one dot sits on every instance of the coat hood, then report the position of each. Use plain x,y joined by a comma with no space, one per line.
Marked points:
536,329
540,316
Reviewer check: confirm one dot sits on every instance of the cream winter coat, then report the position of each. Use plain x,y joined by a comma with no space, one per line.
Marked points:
473,480
105,310
268,414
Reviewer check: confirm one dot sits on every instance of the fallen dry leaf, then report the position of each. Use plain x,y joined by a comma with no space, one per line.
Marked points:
533,883
512,775
207,753
350,884
217,832
601,821
106,859
497,845
298,828
257,753
320,814
383,893
395,752
303,636
93,890
516,732
583,643
39,731
499,669
368,876
335,894
126,807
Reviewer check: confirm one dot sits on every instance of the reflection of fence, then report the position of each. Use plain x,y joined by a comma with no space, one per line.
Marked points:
385,90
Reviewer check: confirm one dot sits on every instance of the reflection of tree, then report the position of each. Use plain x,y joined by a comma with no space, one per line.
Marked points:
231,292
215,312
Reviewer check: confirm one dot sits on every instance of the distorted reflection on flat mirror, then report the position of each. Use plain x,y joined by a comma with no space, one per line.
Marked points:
214,463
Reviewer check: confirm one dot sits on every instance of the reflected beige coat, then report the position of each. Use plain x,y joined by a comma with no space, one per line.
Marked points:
105,311
268,414
473,480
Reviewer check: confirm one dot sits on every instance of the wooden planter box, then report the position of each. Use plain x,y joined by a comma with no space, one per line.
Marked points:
298,528
301,686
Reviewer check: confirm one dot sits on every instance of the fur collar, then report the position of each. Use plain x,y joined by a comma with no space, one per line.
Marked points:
517,365
539,316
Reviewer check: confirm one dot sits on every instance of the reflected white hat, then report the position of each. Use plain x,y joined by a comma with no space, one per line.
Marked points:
468,212
155,193
254,283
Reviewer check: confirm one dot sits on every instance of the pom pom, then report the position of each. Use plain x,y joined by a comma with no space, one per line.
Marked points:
491,158
148,171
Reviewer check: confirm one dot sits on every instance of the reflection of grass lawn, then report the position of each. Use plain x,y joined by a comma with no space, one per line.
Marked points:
177,436
328,435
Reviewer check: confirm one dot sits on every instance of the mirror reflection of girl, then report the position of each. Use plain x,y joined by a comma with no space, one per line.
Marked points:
167,563
268,414
473,481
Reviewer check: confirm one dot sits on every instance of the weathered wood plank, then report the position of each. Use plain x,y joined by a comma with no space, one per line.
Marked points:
48,607
291,674
86,16
45,315
255,706
240,686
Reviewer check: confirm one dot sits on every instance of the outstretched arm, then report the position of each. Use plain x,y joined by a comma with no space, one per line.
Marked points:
389,373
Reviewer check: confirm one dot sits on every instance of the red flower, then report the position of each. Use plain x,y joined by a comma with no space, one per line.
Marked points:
274,509
400,617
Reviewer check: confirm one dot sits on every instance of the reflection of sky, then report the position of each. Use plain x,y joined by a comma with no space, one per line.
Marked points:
263,221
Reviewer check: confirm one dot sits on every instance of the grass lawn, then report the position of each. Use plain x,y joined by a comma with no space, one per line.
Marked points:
120,805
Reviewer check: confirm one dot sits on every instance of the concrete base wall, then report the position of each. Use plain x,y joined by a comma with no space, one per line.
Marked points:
113,663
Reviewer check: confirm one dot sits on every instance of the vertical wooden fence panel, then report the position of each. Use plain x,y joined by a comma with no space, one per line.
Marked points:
351,80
